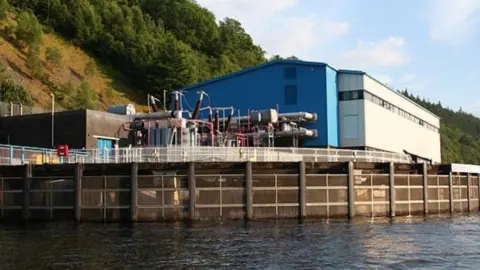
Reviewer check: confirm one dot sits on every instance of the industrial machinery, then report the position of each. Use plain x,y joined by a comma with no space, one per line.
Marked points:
259,128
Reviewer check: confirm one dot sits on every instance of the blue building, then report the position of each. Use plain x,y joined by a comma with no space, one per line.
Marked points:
289,85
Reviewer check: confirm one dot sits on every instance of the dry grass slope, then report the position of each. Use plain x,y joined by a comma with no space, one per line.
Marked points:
106,83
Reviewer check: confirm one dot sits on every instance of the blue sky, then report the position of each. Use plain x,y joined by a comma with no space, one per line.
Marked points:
429,46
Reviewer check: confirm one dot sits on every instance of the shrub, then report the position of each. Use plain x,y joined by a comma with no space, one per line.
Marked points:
29,30
12,92
54,56
4,6
34,63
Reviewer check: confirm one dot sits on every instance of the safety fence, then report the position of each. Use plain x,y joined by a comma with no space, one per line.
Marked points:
136,192
234,154
19,155
11,109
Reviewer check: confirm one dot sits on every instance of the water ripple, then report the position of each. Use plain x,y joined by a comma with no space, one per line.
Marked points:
433,243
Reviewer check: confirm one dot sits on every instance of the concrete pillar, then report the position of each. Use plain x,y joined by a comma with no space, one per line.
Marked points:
133,191
450,190
78,191
26,190
392,189
351,191
468,193
425,189
302,190
191,190
249,190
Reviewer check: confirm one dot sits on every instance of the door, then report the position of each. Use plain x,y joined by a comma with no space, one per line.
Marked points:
104,147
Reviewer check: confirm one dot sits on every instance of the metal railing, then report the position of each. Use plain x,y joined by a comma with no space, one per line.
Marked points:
16,155
233,154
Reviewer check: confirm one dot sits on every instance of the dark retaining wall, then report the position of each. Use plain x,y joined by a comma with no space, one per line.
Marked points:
162,192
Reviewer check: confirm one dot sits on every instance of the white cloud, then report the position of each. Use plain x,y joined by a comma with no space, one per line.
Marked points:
275,29
300,36
382,78
246,9
411,82
452,21
383,53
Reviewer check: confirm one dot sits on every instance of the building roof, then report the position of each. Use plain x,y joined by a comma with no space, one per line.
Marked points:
358,72
254,68
295,62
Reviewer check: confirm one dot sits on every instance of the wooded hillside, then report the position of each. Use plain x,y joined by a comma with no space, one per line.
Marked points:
459,130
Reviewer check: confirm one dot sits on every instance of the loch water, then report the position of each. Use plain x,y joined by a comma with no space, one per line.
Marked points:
403,243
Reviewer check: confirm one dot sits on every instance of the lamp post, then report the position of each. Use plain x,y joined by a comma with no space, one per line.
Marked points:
53,119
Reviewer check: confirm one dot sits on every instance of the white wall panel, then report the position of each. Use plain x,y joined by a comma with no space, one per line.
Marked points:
389,131
399,101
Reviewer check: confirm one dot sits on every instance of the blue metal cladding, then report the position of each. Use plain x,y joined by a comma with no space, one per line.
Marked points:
332,107
273,85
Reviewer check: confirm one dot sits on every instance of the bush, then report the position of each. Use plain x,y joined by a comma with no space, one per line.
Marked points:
34,63
4,6
54,56
90,69
85,98
29,30
12,92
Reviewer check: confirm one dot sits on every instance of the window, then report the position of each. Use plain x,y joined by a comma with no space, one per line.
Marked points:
290,95
291,73
351,95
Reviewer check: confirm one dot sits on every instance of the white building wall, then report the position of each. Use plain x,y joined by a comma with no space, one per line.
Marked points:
383,92
389,131
363,123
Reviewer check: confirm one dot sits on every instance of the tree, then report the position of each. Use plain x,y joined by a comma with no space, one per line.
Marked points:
54,56
34,63
90,69
12,92
85,97
29,29
4,6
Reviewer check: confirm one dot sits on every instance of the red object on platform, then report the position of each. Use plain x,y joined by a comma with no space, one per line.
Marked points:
62,150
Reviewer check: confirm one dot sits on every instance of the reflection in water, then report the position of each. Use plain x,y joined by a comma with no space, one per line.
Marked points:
401,244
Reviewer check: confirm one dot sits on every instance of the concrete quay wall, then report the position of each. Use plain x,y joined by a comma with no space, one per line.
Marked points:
203,191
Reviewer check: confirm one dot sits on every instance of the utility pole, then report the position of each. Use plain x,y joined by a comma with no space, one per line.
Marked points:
53,119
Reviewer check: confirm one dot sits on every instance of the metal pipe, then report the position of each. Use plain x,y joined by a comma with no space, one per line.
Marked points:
305,115
158,115
300,132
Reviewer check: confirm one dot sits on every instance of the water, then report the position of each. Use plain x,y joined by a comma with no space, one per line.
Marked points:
434,243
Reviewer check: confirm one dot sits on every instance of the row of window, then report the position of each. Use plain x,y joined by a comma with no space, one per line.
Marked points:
361,94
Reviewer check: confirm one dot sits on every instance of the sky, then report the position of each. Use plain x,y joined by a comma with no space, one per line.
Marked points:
430,47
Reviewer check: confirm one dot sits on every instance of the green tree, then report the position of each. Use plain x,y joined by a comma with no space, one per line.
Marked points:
34,63
90,69
12,92
54,56
29,29
4,6
85,97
